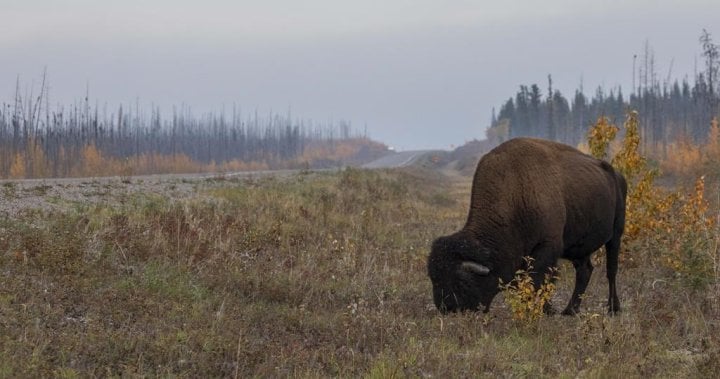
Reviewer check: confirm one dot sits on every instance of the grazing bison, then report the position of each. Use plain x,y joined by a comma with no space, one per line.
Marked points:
535,198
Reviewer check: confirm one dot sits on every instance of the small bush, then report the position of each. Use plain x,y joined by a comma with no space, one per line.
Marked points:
600,136
526,302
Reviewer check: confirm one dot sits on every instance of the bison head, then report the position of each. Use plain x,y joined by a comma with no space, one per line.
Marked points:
461,274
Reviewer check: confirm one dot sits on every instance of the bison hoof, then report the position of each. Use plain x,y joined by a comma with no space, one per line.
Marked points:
613,307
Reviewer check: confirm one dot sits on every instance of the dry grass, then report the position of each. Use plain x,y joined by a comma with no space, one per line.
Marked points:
313,275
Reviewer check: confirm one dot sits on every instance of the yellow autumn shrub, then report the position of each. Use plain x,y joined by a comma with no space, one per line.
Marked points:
676,224
526,302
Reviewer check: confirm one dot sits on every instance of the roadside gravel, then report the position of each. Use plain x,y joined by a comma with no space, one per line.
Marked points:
50,195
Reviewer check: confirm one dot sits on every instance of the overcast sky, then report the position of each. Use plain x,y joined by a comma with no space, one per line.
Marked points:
418,73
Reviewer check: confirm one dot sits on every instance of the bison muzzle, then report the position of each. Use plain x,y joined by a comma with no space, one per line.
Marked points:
531,198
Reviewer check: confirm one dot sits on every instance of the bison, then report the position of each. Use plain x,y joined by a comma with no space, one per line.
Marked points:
531,198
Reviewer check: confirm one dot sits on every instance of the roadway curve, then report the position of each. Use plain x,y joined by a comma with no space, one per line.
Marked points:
401,159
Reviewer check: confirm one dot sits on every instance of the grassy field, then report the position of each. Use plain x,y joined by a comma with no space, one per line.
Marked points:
312,275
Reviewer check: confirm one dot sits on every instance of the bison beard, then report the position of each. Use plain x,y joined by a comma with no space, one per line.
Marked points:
535,198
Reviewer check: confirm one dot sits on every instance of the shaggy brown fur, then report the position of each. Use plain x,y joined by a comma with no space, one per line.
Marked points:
536,198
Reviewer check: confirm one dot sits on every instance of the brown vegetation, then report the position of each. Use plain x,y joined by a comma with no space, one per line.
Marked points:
92,162
316,275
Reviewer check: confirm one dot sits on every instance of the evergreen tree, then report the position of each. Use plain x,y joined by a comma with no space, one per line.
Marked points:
668,114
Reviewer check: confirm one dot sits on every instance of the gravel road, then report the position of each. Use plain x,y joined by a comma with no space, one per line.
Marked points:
59,194
401,159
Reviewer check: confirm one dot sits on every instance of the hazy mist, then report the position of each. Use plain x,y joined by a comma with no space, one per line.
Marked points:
419,74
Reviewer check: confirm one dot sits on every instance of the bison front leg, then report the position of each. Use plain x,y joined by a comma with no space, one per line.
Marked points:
545,257
583,271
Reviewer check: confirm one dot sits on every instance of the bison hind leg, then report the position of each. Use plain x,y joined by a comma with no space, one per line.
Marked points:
583,271
613,251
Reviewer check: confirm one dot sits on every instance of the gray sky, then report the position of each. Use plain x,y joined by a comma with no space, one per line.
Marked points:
419,73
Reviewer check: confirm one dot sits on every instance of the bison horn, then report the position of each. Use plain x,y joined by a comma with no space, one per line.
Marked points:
475,267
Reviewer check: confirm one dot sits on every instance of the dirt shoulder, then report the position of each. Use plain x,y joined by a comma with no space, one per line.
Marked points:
60,194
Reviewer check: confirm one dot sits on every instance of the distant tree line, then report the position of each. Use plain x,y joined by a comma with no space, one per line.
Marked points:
32,131
669,111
